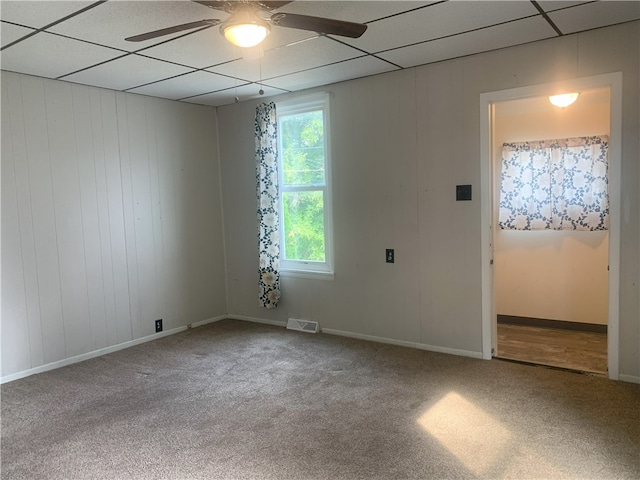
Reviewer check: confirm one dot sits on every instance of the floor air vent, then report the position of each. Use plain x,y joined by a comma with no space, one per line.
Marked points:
303,325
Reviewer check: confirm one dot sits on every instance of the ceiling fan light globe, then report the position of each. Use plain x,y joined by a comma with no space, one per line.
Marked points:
245,29
245,35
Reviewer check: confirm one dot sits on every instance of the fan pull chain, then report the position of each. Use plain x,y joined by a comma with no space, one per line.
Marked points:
261,91
235,76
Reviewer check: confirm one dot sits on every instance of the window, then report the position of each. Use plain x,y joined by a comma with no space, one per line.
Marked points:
304,179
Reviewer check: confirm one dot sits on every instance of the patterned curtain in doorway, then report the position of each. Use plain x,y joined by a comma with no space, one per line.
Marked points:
555,185
268,217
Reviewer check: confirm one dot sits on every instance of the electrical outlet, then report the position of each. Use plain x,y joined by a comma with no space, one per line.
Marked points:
390,255
158,325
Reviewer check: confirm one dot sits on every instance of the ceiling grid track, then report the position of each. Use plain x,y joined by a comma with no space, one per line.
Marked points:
546,17
53,24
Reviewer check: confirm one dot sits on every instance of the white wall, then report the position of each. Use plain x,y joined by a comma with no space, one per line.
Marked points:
401,143
556,275
111,219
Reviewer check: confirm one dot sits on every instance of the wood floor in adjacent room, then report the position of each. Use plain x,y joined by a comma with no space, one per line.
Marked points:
575,350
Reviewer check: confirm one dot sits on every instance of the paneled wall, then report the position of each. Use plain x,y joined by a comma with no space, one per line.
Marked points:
111,219
401,142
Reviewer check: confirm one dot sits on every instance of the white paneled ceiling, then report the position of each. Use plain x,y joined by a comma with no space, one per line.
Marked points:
10,33
336,72
440,20
111,22
190,84
595,14
51,56
313,53
491,38
83,42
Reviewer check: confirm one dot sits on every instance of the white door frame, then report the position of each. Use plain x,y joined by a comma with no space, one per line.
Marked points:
614,82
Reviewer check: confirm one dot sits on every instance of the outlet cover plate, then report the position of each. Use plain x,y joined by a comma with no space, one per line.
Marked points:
390,255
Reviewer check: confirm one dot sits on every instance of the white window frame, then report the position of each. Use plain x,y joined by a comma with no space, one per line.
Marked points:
300,268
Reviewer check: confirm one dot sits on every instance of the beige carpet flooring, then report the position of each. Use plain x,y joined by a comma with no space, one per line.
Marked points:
236,400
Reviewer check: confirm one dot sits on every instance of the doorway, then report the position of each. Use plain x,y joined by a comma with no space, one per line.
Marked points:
551,286
502,252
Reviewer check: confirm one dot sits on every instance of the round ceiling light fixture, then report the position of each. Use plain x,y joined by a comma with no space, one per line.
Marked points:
563,100
245,29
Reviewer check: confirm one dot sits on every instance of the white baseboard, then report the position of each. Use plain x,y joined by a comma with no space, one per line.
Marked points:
103,351
277,323
207,321
629,378
403,343
391,341
371,338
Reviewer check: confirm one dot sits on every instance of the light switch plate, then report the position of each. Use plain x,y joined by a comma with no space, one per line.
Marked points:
463,192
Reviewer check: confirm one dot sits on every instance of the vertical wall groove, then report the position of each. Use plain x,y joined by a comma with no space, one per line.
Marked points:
100,235
82,223
55,221
119,114
36,358
9,175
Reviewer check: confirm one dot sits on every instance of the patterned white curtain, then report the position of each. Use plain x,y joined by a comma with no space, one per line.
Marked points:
266,126
555,184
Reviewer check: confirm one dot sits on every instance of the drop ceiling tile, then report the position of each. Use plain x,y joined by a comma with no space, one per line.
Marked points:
356,68
352,11
127,72
38,14
111,22
437,21
10,33
226,97
199,50
512,33
311,53
594,15
51,56
194,83
551,5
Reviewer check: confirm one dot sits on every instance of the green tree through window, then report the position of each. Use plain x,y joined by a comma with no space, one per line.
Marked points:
303,184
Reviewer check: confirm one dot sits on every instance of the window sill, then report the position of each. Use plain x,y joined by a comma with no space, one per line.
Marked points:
308,274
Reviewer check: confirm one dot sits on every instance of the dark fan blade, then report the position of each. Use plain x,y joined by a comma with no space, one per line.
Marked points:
177,28
319,24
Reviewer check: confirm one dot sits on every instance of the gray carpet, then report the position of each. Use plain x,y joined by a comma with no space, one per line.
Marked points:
241,400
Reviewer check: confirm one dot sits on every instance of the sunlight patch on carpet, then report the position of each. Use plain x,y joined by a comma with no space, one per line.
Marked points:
476,438
483,444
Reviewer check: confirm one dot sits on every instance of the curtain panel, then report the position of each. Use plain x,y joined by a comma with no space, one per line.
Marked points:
555,185
266,138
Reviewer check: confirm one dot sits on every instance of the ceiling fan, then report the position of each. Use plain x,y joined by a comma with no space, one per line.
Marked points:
250,22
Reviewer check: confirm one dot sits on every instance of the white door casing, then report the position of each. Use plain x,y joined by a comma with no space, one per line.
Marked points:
614,82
